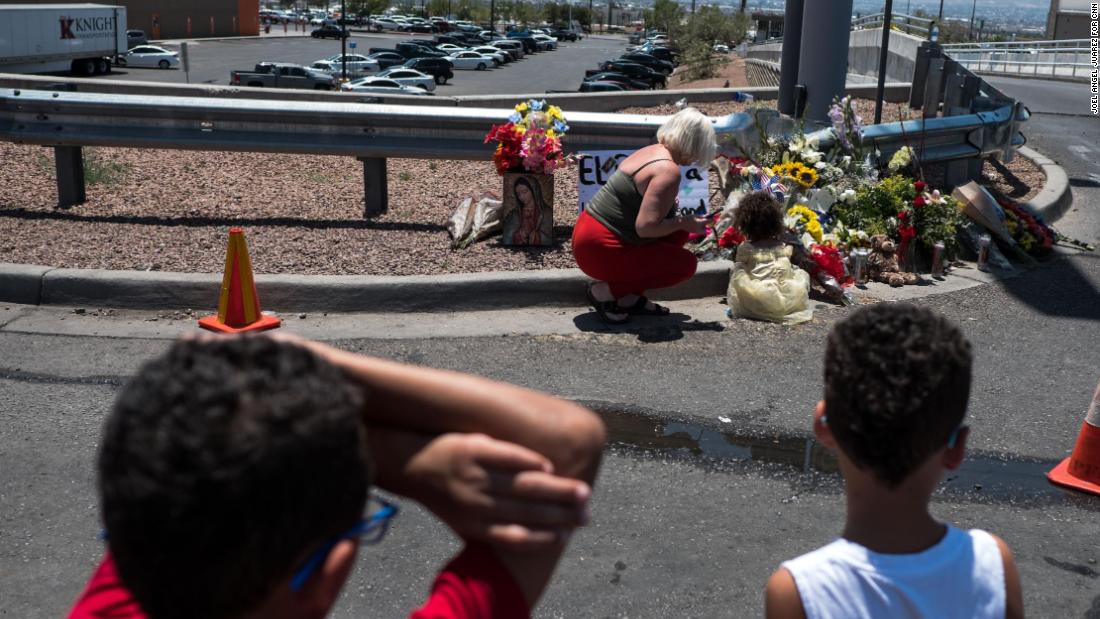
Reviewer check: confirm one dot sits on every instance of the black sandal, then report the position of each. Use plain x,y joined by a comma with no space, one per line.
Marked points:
639,308
603,308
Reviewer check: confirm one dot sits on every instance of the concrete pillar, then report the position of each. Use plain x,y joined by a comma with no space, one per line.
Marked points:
823,57
792,46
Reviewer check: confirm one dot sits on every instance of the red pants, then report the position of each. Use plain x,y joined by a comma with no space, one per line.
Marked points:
630,269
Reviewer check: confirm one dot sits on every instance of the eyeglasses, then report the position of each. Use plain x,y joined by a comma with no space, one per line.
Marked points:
369,530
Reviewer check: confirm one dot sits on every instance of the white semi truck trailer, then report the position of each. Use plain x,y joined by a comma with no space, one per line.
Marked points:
48,38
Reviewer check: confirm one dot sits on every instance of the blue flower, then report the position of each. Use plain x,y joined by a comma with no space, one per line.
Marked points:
515,117
537,106
560,127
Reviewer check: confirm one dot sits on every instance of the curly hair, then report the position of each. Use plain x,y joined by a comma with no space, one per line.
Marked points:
222,464
897,381
759,216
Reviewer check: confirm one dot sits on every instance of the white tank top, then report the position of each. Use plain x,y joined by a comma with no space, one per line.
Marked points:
961,576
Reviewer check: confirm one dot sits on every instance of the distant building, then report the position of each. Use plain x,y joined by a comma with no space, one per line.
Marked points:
1068,19
184,19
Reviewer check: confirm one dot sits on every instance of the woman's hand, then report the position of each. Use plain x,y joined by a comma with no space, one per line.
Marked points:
495,491
694,225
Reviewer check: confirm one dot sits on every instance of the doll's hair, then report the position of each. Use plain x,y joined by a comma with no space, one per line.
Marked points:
759,216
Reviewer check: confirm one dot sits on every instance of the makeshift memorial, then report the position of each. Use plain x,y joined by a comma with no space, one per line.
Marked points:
529,151
835,202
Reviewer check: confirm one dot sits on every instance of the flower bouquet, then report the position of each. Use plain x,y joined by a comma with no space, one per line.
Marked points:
529,151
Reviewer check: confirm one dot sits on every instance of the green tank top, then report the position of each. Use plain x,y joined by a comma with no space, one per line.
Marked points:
617,204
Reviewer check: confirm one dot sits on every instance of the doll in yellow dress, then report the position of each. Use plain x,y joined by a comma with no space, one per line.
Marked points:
764,284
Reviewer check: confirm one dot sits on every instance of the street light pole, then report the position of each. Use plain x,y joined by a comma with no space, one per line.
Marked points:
973,12
940,19
343,39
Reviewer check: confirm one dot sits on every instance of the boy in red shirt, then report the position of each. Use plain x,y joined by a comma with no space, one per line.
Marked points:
234,476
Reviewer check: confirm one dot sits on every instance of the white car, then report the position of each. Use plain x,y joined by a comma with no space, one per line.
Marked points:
451,48
545,41
381,85
501,56
408,77
472,60
148,56
387,24
356,68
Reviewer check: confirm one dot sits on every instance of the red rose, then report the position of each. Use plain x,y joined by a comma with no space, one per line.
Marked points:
920,185
903,215
919,201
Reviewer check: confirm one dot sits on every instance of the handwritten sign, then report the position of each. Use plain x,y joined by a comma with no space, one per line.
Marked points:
597,167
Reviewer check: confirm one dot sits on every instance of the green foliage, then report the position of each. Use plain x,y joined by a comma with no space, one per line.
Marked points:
665,16
436,8
404,176
367,7
99,171
939,222
700,62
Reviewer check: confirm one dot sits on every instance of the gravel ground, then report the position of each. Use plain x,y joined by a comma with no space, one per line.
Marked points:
171,210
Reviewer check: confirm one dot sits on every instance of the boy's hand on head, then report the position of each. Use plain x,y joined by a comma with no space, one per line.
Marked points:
499,492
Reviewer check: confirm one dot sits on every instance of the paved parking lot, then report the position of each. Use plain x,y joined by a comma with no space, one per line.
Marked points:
211,62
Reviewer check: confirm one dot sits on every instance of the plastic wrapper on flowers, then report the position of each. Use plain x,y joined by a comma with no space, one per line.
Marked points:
476,218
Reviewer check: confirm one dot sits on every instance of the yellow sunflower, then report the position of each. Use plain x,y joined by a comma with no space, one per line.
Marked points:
807,177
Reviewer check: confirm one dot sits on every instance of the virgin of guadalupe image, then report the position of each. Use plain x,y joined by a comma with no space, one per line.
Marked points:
531,219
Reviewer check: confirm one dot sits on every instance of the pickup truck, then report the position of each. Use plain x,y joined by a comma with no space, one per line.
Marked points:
283,75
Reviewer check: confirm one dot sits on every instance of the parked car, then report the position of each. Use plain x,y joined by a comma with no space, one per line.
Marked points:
634,71
563,34
501,56
659,66
356,68
148,56
329,31
412,50
546,41
619,78
387,24
587,86
439,68
387,59
409,77
451,48
283,75
530,45
719,48
423,28
660,53
135,38
382,86
472,60
515,48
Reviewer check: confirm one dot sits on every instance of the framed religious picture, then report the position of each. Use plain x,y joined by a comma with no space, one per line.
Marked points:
529,209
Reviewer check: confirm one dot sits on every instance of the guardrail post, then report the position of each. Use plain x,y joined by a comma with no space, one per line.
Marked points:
933,85
375,194
70,175
920,73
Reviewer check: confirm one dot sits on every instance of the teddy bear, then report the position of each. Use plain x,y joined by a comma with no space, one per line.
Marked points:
883,266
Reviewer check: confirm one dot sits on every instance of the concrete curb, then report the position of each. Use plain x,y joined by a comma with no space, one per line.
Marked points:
40,285
1055,198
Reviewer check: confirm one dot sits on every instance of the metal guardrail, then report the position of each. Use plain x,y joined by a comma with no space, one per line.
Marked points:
1067,59
977,121
909,24
371,133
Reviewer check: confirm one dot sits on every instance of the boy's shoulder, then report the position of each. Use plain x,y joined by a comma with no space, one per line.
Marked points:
964,569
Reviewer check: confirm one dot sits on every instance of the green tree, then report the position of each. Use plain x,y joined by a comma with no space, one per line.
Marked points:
367,7
437,8
666,15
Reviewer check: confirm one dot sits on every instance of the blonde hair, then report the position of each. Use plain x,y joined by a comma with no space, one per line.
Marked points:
690,134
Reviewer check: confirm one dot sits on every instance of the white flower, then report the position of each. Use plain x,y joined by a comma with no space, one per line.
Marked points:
811,156
848,196
772,141
820,165
846,160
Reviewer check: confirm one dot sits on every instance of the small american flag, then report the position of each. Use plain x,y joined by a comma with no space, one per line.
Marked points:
761,181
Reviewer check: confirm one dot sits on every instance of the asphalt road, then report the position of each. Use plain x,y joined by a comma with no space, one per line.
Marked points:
711,479
212,61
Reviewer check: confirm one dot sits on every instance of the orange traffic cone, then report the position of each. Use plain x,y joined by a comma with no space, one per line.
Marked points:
1081,471
238,305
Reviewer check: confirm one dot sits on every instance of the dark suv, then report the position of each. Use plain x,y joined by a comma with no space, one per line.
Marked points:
439,68
634,71
329,31
413,50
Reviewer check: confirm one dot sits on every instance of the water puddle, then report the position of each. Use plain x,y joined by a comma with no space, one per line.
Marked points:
984,477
